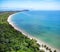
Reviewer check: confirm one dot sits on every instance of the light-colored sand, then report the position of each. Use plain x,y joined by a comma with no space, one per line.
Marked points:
31,37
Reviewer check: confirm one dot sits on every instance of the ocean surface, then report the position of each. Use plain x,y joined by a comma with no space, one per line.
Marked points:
44,25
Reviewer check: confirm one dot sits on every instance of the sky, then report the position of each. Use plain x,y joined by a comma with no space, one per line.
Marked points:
30,4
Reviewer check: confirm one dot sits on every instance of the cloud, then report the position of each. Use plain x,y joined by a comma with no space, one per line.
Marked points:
32,5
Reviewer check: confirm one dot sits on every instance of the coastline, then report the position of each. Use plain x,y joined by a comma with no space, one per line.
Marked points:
40,42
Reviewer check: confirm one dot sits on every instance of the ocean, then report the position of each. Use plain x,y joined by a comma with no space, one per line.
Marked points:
44,25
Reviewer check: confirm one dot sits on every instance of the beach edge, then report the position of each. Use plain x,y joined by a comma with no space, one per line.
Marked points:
24,33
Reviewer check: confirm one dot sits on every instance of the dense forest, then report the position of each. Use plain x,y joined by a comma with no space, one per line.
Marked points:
12,40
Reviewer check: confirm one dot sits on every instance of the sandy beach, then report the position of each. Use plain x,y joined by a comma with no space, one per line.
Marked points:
31,37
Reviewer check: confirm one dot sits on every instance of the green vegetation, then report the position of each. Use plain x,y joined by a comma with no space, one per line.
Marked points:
12,40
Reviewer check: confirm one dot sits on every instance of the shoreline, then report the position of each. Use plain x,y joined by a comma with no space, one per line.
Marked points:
40,42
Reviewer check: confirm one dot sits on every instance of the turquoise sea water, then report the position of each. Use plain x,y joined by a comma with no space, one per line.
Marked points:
44,25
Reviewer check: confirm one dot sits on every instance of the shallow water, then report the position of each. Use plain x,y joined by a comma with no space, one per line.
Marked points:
44,25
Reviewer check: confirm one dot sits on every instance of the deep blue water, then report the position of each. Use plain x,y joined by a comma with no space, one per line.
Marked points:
44,25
